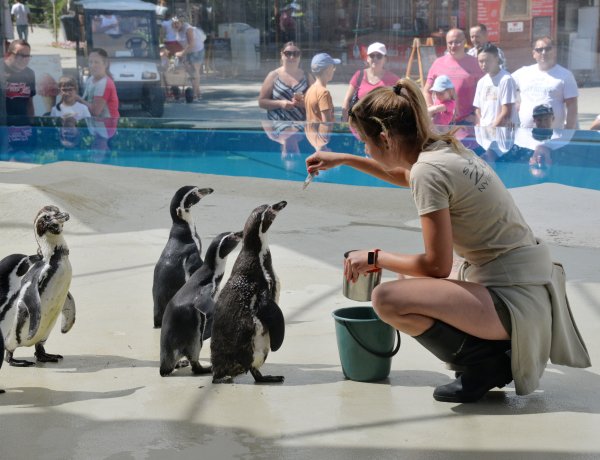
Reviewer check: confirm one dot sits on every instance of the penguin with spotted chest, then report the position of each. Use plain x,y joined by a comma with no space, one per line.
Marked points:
188,317
248,322
38,290
181,256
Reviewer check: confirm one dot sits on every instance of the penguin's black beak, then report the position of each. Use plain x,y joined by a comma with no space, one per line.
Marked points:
62,216
202,192
279,206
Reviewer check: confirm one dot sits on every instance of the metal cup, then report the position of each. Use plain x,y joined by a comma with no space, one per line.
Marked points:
363,287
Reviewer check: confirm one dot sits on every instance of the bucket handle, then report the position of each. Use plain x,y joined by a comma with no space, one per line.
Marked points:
388,354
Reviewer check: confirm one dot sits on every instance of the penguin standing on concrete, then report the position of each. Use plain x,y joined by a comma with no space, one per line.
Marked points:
1,354
182,255
188,317
248,322
28,318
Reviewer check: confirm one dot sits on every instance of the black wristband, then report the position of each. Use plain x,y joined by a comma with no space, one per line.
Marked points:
372,257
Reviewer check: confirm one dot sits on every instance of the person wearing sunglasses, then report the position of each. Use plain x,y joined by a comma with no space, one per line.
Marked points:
366,80
547,82
282,92
69,105
20,80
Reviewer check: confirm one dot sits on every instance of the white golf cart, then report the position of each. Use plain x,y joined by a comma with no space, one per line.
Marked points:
127,30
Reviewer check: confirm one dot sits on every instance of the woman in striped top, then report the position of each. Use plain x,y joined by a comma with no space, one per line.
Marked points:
282,92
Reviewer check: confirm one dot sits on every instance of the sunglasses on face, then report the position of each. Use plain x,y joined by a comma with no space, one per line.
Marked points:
547,49
376,56
290,54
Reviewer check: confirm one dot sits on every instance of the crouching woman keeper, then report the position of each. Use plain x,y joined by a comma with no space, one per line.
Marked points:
507,314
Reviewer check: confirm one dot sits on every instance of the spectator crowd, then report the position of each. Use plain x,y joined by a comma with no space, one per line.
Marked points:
465,86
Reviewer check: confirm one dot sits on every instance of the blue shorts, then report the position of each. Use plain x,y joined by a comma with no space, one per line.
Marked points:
196,57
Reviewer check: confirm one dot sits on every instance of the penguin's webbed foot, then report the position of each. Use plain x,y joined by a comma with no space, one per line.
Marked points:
224,379
43,357
2,391
259,378
198,369
17,362
182,363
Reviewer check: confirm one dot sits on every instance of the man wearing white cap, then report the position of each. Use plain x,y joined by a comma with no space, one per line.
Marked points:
464,72
366,80
317,100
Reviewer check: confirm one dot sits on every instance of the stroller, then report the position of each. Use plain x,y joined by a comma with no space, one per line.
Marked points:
178,77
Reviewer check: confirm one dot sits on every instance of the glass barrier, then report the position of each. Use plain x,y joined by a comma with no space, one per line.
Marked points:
278,150
174,58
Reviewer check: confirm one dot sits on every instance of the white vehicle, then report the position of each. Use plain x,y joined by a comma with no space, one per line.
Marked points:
127,30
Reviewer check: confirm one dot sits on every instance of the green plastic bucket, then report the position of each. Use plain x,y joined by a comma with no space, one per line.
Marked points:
365,343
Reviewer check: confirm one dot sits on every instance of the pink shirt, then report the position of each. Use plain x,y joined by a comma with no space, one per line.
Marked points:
464,75
389,79
445,117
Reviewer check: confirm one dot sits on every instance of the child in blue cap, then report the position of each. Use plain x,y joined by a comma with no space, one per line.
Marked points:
444,101
318,101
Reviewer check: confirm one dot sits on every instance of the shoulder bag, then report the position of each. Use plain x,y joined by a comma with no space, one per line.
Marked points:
354,99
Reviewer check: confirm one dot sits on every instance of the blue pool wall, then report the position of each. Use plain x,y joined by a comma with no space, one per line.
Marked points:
250,152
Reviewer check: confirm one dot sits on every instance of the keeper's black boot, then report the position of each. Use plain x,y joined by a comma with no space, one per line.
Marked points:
482,364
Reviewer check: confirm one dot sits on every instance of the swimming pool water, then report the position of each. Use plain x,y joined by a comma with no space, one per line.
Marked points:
251,153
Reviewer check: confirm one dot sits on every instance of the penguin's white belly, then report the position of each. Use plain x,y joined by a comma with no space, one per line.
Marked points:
51,302
261,344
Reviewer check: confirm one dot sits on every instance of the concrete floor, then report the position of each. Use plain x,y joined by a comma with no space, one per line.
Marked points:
106,400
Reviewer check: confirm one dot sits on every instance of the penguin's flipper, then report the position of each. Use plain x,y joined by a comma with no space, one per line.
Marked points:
1,354
204,320
205,307
272,317
191,264
1,349
68,314
29,306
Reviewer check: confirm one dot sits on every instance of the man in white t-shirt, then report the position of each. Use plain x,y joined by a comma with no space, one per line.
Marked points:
547,82
22,18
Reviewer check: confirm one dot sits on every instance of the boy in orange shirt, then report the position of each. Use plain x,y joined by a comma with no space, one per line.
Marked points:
318,101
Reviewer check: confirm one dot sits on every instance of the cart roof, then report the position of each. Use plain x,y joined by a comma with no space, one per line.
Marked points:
116,5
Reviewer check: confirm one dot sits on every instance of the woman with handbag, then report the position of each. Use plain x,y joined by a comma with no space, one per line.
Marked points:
366,80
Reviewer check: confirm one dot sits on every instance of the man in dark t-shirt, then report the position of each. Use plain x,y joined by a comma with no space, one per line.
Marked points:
20,80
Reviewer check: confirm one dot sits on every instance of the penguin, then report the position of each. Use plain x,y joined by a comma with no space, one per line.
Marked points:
12,269
43,292
187,321
248,322
1,354
181,256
